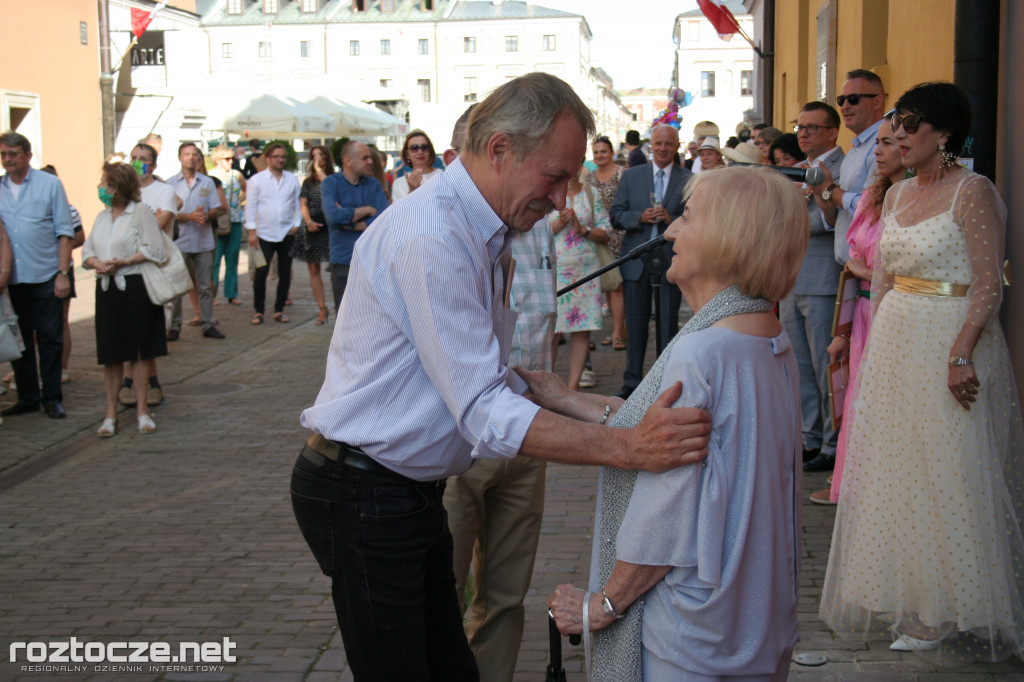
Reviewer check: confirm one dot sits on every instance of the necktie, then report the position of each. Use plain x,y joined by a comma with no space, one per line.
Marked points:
659,185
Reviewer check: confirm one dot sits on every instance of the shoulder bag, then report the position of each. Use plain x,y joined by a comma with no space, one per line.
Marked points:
11,344
168,281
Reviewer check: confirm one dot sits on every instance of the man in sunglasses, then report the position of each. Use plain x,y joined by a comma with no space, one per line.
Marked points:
862,105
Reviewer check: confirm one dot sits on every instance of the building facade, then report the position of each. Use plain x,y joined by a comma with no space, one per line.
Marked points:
719,74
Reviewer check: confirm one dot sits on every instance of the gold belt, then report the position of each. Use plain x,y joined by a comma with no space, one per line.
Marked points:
927,287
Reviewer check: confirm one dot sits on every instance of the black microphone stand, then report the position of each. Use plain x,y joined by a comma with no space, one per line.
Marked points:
652,256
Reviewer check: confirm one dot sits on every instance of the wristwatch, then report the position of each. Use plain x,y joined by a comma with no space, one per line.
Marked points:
63,272
608,608
826,194
956,361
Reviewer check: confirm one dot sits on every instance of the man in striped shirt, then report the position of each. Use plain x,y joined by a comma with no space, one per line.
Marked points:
417,387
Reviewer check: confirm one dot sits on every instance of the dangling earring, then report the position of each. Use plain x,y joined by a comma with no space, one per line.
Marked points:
948,158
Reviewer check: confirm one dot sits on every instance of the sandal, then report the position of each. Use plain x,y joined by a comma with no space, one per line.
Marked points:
195,322
257,319
234,301
108,428
618,343
146,424
322,317
281,317
607,341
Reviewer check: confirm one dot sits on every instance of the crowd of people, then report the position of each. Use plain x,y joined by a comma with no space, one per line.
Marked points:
697,541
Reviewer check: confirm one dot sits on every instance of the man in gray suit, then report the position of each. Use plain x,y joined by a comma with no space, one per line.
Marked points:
807,312
649,197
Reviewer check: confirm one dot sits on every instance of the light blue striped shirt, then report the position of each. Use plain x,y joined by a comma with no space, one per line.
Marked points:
858,171
35,222
417,370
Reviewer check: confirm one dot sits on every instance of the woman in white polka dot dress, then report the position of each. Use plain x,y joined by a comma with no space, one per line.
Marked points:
927,548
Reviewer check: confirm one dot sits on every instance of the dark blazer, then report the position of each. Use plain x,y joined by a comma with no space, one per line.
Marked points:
632,198
819,274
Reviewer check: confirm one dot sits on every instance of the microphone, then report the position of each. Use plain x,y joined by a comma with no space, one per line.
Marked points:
812,176
646,247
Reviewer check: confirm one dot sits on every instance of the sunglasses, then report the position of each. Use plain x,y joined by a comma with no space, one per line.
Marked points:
854,99
603,138
419,147
810,130
910,122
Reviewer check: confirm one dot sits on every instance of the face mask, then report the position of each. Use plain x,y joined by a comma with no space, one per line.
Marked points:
140,167
106,197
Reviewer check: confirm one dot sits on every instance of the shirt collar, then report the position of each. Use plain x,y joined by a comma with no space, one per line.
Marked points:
868,134
485,220
6,177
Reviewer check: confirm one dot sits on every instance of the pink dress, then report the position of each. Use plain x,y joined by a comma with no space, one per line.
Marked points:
862,238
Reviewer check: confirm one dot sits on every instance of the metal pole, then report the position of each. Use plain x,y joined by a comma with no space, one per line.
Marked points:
976,71
106,80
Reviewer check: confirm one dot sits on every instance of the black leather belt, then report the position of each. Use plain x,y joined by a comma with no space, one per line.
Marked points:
357,459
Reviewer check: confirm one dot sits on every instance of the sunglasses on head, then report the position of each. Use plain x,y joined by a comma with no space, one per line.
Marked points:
419,147
854,99
603,138
910,122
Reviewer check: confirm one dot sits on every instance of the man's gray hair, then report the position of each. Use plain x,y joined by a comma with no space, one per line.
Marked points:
13,139
525,109
662,126
459,131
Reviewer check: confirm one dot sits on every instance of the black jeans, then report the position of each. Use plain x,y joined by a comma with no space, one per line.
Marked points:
339,280
284,274
41,320
384,542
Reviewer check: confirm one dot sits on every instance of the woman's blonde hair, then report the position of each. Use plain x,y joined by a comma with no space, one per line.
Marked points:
756,229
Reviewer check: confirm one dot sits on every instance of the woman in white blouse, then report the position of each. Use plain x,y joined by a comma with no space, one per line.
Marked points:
419,155
129,327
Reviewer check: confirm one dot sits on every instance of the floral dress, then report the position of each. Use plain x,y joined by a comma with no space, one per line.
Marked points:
580,309
606,191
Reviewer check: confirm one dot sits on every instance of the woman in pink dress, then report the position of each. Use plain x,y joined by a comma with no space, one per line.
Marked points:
863,239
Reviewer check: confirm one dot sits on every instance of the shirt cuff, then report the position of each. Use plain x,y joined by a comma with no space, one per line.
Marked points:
510,419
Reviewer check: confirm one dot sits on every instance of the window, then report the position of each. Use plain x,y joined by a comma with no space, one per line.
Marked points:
358,5
234,6
424,46
310,5
353,48
511,43
270,6
549,43
226,51
746,83
470,90
707,83
469,44
426,5
304,49
385,83
385,46
387,5
424,87
264,50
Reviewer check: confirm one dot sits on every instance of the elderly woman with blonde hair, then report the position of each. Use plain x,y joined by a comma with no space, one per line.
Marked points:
694,571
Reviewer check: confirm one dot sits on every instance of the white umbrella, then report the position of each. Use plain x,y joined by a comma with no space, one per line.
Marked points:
271,116
358,120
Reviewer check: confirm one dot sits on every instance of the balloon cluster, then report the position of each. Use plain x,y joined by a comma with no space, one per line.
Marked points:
670,115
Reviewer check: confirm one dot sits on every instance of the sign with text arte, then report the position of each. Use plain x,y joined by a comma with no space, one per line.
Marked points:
148,61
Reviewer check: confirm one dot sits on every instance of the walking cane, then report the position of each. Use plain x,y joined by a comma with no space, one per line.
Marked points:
556,673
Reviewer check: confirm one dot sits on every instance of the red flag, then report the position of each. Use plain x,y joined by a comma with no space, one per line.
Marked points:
720,17
141,19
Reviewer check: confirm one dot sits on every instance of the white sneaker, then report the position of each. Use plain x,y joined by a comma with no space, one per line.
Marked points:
587,379
908,643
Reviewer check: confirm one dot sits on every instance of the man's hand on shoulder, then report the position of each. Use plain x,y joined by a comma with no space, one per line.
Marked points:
668,437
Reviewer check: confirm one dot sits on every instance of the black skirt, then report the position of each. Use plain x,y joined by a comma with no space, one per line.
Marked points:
128,326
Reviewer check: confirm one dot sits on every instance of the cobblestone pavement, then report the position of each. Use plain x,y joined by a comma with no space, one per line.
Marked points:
187,534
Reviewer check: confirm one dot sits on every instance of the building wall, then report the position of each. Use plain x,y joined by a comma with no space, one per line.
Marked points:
700,49
48,69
